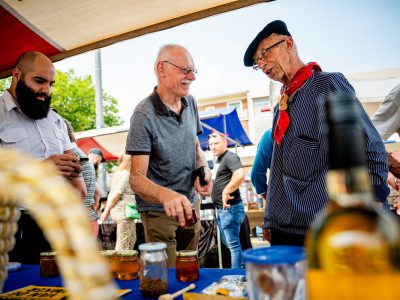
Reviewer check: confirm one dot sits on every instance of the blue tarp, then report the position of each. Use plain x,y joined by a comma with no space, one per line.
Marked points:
225,121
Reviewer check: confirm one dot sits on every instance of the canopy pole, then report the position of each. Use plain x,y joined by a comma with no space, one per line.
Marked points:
98,90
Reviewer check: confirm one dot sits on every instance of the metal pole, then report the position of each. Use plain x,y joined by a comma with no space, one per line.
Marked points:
227,137
98,90
99,116
219,246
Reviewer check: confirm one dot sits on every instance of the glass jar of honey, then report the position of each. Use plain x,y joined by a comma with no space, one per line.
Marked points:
127,264
111,257
48,265
187,265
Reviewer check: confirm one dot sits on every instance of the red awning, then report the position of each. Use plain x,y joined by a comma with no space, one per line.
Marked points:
62,29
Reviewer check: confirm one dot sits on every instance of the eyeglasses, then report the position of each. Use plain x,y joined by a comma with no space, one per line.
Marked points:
264,53
185,70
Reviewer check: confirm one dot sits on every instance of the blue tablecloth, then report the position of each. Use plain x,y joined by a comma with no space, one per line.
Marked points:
29,275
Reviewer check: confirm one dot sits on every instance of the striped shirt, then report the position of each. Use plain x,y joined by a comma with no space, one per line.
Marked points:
89,176
297,189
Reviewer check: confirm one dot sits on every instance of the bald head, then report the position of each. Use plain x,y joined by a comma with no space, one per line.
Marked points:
27,60
169,51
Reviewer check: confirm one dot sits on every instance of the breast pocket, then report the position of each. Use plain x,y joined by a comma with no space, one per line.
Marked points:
58,133
14,138
302,158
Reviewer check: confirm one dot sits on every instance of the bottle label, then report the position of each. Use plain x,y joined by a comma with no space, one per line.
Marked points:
323,284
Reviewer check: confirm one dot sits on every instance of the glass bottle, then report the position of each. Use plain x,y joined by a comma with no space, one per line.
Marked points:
153,269
354,245
187,265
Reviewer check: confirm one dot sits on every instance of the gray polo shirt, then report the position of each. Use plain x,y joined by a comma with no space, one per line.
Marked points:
170,141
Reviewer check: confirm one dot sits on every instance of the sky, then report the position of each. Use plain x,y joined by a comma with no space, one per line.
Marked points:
348,36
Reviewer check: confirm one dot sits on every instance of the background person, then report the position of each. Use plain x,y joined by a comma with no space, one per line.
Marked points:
229,175
121,195
165,150
89,177
387,121
262,162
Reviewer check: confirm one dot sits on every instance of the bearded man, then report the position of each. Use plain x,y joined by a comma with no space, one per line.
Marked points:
29,125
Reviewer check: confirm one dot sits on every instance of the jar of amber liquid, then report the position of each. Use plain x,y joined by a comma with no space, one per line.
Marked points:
127,264
187,265
111,257
48,265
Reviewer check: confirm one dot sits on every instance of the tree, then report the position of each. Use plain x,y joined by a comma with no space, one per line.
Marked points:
4,84
74,99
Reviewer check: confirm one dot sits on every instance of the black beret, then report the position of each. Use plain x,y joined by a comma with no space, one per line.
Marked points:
278,27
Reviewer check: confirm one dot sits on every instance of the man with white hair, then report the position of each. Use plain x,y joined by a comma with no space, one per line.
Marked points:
297,188
165,150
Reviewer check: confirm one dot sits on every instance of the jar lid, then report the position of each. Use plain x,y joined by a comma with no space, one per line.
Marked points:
152,246
108,252
186,253
48,253
127,252
274,255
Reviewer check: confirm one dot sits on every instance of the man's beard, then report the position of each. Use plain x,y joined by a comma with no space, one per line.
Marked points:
29,104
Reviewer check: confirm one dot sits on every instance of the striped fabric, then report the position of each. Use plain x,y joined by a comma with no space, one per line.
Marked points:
89,176
297,189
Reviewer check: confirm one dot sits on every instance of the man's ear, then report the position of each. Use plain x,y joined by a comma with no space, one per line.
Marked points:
16,73
161,69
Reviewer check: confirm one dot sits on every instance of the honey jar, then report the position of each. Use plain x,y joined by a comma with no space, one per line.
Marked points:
187,265
127,264
111,257
48,265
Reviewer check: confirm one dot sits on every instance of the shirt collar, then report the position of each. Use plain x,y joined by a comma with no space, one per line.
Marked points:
160,107
9,101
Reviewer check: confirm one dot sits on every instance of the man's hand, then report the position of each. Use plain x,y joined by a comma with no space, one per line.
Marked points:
225,198
177,207
204,190
67,164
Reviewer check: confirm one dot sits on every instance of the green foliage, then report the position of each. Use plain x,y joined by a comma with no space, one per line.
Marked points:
74,99
4,84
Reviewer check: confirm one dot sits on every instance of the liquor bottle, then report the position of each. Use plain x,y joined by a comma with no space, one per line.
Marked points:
354,245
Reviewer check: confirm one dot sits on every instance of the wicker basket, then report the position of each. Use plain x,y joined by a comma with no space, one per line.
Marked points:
59,211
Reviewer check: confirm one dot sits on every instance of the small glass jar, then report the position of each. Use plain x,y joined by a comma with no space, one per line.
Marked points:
153,269
111,257
187,265
127,265
48,264
193,220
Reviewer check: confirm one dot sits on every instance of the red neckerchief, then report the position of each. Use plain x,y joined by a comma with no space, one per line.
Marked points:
283,119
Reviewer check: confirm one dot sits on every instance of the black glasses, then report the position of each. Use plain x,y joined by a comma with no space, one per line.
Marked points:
264,54
185,70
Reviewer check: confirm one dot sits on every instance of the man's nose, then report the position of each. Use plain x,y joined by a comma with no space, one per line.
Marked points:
191,76
46,89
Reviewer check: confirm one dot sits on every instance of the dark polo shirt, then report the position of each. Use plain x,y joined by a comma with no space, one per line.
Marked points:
169,140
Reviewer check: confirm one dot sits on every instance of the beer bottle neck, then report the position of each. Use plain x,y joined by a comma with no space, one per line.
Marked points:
349,187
